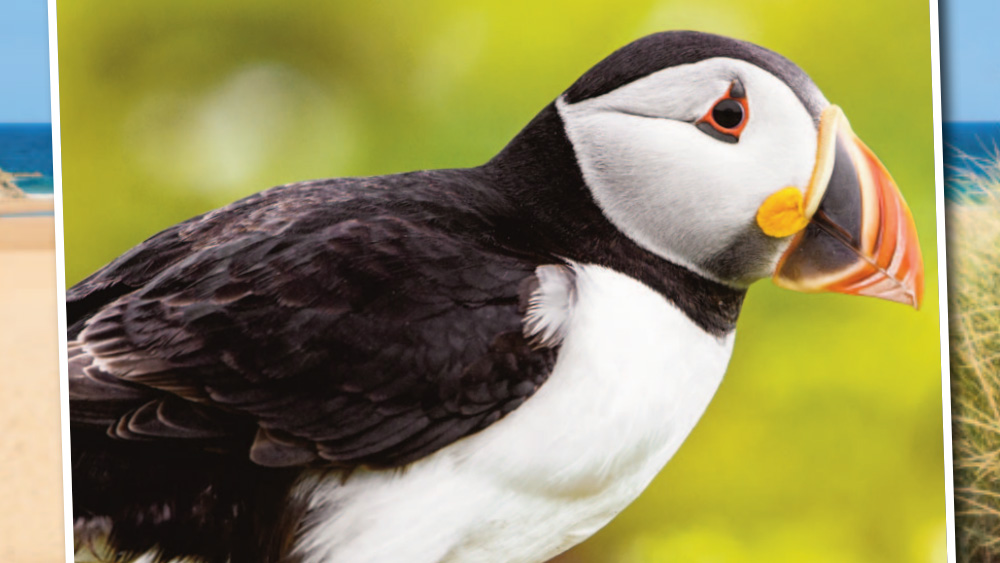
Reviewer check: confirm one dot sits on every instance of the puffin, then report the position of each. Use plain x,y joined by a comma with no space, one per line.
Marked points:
468,365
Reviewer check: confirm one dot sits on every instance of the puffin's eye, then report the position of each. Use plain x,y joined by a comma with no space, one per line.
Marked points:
728,113
727,118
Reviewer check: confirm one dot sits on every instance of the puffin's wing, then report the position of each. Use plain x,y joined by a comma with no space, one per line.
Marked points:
300,336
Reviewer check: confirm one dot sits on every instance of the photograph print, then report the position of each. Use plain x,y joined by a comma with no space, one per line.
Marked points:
386,282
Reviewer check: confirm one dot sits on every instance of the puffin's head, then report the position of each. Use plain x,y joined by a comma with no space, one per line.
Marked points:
725,158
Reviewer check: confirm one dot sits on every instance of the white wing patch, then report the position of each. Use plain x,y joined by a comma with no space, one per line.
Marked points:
550,306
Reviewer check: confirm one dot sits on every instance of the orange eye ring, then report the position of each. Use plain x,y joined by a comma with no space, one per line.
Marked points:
728,116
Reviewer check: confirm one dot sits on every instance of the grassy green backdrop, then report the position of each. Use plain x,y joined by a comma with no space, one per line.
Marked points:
824,442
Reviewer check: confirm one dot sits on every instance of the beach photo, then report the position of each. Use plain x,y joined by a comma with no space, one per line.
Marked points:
971,133
31,478
573,282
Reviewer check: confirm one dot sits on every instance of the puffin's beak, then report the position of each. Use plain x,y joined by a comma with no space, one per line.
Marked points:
860,238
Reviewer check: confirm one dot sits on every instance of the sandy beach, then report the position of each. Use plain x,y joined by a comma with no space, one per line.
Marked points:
19,231
30,472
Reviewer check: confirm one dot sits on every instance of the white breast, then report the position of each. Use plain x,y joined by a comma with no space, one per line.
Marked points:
633,376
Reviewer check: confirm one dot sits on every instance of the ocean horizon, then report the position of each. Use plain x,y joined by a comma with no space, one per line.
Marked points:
27,147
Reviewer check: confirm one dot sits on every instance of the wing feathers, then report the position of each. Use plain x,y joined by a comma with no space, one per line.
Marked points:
356,341
275,449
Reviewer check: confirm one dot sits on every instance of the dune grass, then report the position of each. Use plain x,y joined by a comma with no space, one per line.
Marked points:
973,224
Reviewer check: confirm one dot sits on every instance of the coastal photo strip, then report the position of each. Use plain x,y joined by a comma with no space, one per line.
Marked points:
253,380
970,66
30,471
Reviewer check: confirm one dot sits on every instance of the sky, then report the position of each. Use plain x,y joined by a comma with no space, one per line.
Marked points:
24,61
970,59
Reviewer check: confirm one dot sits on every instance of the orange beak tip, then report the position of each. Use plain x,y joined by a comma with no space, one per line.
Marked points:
861,238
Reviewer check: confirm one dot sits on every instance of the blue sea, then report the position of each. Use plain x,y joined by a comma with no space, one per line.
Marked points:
967,145
27,147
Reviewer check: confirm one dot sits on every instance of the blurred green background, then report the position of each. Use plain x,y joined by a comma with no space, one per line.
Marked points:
825,440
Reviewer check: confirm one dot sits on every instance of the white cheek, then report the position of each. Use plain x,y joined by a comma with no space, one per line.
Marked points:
656,177
674,189
780,144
